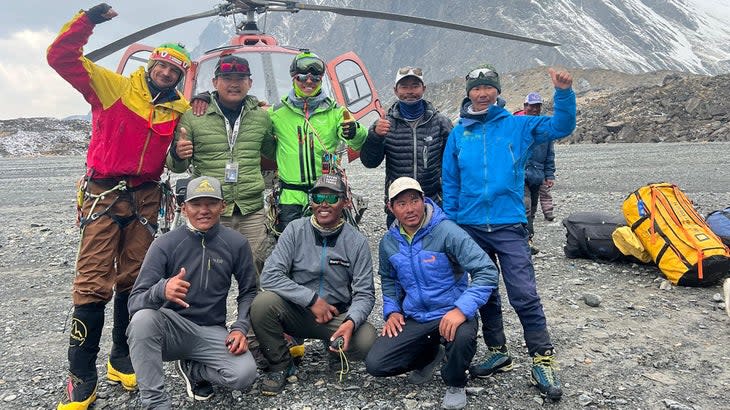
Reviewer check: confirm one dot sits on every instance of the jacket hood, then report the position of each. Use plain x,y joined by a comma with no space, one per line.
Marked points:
468,119
434,215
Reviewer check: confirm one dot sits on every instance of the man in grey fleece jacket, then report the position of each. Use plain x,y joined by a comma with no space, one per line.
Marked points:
318,283
178,303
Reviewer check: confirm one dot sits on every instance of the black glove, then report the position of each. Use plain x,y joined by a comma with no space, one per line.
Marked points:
349,129
96,13
204,96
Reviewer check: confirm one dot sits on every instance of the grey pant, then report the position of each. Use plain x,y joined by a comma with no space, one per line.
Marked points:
272,316
163,335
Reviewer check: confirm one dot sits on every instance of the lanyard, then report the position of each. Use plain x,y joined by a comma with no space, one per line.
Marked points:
232,133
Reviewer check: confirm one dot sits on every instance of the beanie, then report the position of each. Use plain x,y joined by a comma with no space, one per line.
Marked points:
485,74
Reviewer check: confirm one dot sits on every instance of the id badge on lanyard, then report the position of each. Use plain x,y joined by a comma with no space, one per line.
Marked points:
231,172
231,175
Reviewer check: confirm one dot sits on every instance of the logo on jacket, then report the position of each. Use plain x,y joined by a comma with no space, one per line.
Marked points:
432,259
340,262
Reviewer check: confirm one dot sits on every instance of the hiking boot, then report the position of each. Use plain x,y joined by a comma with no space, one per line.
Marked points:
425,373
79,394
296,348
498,360
544,377
196,389
549,217
272,383
454,398
122,373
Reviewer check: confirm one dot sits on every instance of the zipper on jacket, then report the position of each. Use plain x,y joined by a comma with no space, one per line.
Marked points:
414,136
322,267
144,151
301,153
203,263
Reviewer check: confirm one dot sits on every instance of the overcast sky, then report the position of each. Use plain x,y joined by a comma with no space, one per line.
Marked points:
32,89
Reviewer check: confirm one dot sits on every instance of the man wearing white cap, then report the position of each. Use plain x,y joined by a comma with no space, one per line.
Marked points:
411,138
428,300
178,303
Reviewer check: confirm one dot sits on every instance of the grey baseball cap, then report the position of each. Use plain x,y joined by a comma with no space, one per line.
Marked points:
204,187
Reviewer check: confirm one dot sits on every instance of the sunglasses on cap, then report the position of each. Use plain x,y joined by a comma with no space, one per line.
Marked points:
329,198
481,73
235,68
410,70
303,77
309,65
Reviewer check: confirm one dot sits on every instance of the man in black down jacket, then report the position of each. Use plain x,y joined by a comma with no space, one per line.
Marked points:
411,138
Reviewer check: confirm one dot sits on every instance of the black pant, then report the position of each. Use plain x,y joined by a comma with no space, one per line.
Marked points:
533,191
417,345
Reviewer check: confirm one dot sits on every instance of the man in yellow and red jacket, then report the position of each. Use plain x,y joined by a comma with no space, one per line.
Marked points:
133,119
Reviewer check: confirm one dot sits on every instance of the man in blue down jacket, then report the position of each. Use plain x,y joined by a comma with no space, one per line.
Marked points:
428,300
483,185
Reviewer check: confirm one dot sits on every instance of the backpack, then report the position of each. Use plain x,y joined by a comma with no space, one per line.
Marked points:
719,222
589,236
676,236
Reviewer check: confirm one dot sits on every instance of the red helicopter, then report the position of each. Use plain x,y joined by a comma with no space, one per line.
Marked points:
346,79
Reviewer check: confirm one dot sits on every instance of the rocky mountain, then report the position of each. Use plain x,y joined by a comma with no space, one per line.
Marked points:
632,36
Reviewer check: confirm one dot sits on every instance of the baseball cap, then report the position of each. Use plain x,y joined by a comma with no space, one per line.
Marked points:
533,98
408,71
204,187
403,184
230,64
329,181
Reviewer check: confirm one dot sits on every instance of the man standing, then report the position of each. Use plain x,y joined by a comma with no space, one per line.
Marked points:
539,172
133,122
178,303
428,299
226,143
411,138
483,183
308,126
318,284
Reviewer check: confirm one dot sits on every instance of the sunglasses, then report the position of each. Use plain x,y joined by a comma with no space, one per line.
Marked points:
329,198
233,68
410,70
309,65
303,77
481,73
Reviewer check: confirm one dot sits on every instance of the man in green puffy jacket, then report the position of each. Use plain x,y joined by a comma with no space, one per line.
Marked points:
308,126
226,143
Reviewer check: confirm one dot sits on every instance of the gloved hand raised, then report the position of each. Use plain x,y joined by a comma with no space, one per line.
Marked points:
101,13
348,125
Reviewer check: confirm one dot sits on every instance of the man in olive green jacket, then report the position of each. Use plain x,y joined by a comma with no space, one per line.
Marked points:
227,143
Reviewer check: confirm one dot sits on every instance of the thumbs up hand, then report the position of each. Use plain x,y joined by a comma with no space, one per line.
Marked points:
184,147
176,289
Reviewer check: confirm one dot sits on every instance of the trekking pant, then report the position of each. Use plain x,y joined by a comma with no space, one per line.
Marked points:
418,344
157,336
253,227
532,195
546,200
288,213
509,244
272,316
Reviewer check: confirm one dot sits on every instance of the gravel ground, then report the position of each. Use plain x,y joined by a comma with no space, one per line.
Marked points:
643,347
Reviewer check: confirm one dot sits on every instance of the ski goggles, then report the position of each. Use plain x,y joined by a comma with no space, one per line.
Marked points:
482,73
410,71
309,65
303,77
329,198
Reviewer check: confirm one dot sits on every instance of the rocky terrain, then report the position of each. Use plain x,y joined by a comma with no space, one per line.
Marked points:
640,345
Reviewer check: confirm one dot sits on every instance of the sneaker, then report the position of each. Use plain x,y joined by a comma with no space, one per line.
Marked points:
549,217
544,377
122,373
454,398
533,250
197,389
425,373
272,383
79,394
498,360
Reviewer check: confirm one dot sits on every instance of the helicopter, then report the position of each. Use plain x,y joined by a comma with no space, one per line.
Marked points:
346,79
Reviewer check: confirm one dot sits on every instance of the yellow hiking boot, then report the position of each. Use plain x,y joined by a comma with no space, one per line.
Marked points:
128,380
79,394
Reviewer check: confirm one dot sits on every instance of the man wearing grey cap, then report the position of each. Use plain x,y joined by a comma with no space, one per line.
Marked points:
178,303
318,284
411,138
434,278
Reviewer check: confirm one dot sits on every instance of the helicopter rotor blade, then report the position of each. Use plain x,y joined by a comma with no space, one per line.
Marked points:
294,6
139,35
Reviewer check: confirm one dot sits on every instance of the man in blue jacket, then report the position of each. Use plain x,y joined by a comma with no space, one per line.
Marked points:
483,185
178,303
428,300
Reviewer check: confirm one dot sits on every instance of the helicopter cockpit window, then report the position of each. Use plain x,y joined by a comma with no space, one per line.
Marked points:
354,85
269,72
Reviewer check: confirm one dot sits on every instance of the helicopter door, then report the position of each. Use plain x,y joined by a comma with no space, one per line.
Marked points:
134,56
353,88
